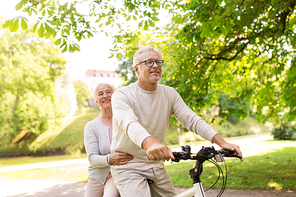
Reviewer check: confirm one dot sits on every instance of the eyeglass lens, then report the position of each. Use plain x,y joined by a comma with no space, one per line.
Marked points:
151,62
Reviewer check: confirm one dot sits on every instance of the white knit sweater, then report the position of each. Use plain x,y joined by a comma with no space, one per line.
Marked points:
97,146
138,114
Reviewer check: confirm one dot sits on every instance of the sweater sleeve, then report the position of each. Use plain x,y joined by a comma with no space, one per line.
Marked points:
190,119
124,115
91,144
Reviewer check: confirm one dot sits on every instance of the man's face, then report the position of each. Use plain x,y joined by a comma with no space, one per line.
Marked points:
149,75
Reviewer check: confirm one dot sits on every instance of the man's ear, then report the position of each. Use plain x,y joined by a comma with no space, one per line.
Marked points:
136,69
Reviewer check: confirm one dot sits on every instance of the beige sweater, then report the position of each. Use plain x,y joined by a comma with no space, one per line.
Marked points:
138,114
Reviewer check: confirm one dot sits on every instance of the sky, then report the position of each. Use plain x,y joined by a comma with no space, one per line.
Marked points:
93,54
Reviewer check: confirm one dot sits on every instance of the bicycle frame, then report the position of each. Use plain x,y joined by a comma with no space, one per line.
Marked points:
196,191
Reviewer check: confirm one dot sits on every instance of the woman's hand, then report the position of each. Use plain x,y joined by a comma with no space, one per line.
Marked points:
120,158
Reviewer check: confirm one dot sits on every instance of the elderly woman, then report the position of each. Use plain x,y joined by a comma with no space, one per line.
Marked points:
97,140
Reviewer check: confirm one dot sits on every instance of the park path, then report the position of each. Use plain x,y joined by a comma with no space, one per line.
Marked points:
56,188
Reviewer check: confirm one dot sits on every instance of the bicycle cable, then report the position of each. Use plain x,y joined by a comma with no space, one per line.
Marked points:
213,162
224,180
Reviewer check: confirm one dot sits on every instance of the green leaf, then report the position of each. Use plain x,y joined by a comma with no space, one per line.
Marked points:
146,26
67,31
7,23
151,23
50,12
76,47
64,49
35,26
58,22
20,4
154,18
53,5
54,33
14,26
41,31
58,41
118,55
43,12
71,49
51,22
49,29
47,35
24,24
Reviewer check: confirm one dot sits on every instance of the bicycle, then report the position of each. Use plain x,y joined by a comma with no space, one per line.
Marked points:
205,154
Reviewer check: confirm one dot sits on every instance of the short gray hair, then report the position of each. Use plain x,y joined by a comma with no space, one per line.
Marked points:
137,57
95,92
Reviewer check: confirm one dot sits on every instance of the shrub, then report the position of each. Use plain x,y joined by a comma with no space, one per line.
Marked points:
284,132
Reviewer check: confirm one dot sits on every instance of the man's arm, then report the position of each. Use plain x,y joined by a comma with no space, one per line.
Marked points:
217,139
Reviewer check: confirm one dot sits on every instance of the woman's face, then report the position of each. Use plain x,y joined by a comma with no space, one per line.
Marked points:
103,97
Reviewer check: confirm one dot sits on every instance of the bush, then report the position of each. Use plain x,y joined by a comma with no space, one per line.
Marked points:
172,135
284,132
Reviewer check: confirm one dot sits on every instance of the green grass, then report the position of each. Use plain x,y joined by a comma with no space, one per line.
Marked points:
67,137
272,170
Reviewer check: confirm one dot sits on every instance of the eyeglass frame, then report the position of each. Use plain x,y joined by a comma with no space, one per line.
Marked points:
154,61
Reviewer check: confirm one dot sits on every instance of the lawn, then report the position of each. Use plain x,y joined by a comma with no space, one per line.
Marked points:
271,170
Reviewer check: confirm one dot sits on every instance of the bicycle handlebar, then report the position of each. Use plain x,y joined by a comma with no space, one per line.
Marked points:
204,154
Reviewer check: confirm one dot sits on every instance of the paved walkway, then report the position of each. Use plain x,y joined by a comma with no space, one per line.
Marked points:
43,165
53,188
48,188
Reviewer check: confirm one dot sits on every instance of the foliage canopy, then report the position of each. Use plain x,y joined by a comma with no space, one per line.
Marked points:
245,48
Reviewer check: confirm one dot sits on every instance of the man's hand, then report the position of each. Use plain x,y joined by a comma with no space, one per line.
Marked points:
217,139
156,150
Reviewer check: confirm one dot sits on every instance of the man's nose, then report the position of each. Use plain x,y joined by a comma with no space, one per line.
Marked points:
154,64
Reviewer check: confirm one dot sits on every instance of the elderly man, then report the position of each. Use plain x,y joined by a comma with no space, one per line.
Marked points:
141,116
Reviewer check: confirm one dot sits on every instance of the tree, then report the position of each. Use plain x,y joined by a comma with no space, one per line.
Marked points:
82,94
29,66
245,48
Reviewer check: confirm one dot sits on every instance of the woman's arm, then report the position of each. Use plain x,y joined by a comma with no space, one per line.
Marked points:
91,143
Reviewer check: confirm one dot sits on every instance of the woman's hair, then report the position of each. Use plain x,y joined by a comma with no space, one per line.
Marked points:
137,57
96,90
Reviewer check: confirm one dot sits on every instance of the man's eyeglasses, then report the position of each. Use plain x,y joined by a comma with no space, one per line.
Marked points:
150,63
